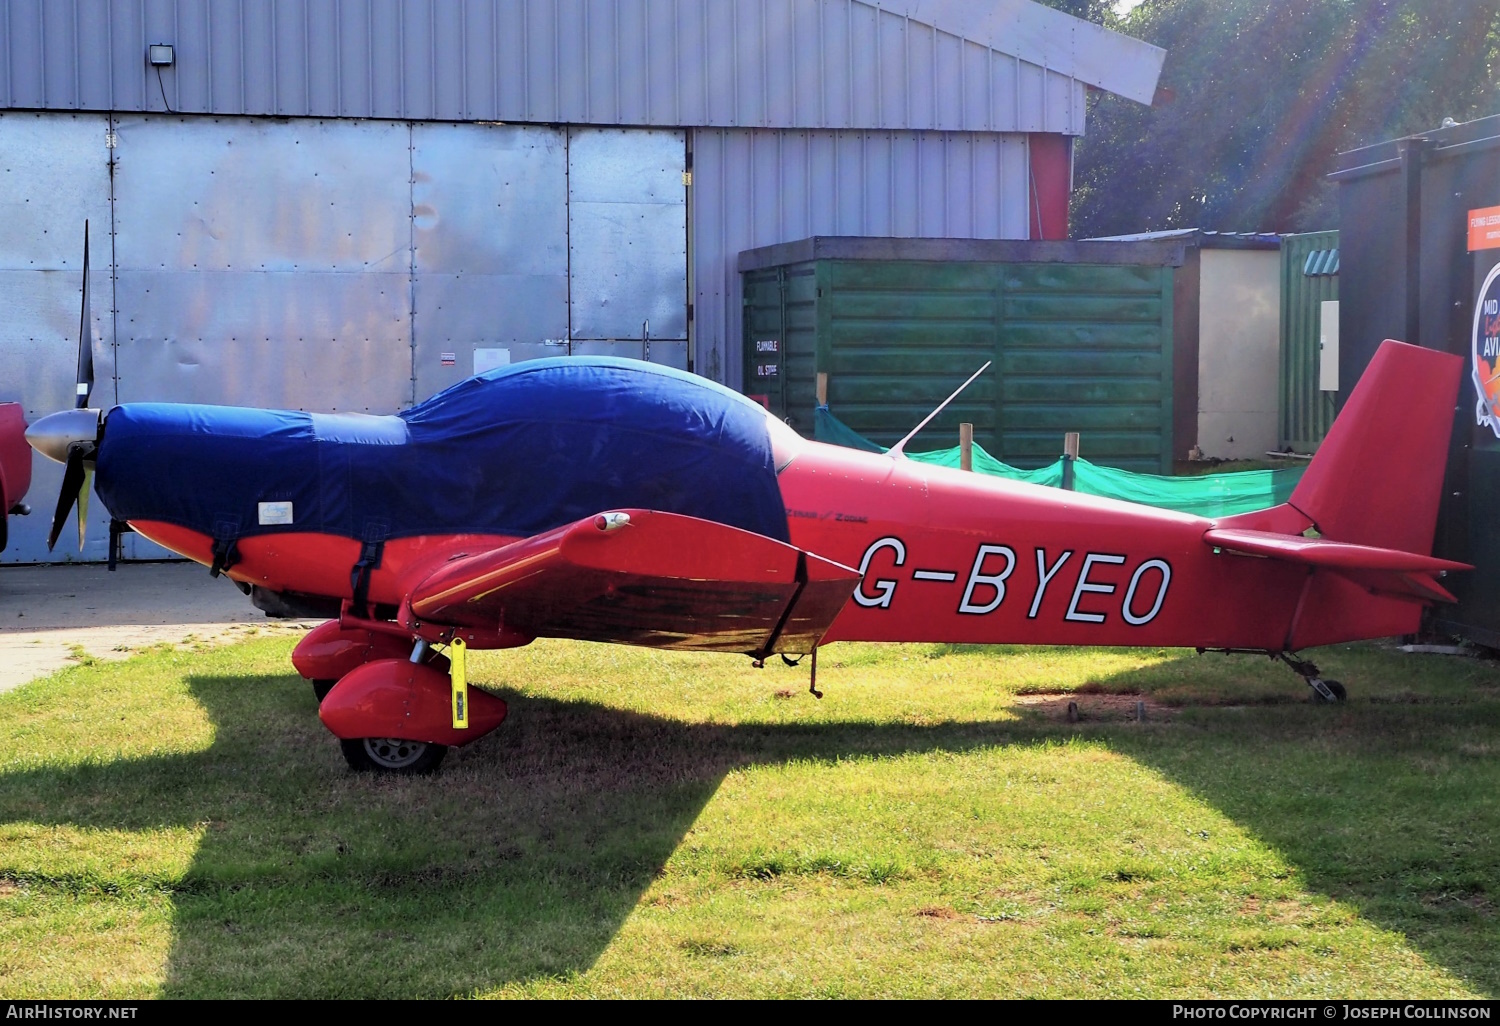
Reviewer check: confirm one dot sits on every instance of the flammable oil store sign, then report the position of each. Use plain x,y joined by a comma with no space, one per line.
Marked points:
1484,242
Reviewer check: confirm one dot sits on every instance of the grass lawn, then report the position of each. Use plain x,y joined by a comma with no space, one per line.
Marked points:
653,824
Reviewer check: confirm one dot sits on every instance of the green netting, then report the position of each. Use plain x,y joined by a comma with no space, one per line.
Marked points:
987,464
1209,495
828,428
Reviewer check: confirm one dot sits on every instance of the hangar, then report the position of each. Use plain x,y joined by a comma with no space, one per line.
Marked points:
352,204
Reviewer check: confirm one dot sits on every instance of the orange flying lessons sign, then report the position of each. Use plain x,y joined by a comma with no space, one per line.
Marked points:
1484,229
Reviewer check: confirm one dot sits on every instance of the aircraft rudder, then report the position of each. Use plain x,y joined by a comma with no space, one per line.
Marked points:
1377,478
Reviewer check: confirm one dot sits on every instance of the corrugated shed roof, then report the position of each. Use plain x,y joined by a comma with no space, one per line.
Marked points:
1005,66
1205,239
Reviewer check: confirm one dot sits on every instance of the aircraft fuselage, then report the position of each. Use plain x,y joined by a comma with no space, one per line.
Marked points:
946,556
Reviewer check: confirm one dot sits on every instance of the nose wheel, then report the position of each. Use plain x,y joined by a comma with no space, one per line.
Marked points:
392,755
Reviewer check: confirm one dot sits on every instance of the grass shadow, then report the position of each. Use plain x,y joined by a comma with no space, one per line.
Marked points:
520,860
523,859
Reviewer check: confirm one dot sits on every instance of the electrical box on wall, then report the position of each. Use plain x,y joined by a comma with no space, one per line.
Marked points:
1328,346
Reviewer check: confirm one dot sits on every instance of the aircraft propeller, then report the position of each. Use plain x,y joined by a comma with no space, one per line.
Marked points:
71,437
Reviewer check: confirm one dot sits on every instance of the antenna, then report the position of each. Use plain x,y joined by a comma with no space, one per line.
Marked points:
898,450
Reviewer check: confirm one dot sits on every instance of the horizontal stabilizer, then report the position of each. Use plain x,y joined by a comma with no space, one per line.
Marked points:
640,577
1393,572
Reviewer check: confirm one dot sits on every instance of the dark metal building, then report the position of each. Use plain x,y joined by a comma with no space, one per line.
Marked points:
1415,266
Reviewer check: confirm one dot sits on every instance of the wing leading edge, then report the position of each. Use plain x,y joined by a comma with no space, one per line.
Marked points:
642,577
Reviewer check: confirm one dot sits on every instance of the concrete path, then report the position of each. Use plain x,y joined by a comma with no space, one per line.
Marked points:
47,610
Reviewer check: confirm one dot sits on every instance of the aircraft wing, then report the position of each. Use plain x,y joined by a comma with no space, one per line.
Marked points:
1393,572
641,577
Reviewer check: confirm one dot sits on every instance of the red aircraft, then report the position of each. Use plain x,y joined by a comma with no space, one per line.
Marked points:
15,467
616,501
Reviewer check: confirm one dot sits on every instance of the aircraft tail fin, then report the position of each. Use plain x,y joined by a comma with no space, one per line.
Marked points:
1372,492
1377,478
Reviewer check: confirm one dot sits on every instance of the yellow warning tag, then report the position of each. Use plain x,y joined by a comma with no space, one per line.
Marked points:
458,674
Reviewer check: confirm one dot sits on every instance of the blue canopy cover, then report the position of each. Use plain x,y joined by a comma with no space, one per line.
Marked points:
515,451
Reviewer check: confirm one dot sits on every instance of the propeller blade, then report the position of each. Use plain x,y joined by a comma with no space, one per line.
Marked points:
85,343
74,478
83,500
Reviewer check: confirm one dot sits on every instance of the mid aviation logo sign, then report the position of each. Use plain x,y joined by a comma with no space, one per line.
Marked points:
1486,352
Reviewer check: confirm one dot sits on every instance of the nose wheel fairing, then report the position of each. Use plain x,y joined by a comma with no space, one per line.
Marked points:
331,651
398,699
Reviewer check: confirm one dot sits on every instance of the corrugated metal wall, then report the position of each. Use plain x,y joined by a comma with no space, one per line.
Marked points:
728,63
756,188
1306,412
883,124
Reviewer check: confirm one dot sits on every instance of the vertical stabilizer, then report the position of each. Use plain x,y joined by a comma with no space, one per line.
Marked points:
1378,476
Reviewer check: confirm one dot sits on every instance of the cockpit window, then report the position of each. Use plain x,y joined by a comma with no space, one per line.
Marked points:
785,442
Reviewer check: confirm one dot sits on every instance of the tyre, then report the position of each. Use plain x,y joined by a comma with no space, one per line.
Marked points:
322,686
1339,694
392,755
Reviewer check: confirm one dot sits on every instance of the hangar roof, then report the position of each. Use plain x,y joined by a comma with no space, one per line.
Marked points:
1000,66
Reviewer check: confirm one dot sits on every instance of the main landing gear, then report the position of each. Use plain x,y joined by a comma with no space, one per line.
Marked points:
389,700
392,755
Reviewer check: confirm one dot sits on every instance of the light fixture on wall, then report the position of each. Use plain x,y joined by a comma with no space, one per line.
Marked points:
158,56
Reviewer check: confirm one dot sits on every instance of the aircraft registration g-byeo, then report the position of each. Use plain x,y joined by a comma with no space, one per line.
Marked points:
617,501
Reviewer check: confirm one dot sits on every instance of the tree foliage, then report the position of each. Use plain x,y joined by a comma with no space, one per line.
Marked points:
1100,11
1258,97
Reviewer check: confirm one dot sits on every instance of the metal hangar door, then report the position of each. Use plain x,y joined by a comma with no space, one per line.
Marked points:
489,215
627,244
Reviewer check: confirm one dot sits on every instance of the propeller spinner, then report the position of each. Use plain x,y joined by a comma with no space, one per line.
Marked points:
71,437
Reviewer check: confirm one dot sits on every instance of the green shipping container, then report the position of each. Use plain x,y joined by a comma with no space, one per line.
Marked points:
1080,335
1309,278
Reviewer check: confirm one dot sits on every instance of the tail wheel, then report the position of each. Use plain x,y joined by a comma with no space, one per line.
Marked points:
392,755
1335,688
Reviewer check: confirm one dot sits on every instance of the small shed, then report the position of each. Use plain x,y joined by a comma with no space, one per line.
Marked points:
1079,335
1226,376
1309,339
